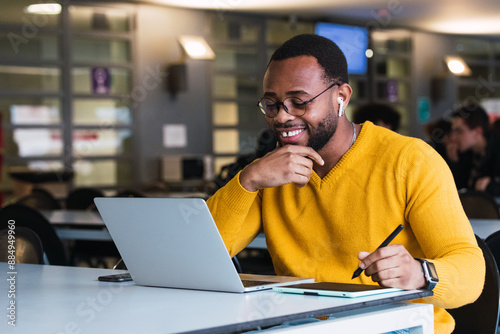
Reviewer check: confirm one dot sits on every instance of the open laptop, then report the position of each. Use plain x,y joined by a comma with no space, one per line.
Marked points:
174,243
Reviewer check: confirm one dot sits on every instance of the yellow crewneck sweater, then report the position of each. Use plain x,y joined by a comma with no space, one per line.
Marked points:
385,179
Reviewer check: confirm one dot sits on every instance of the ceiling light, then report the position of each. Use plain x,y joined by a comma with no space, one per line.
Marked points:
469,26
44,8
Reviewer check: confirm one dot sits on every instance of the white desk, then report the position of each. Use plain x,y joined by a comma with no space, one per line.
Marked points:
484,227
77,224
55,299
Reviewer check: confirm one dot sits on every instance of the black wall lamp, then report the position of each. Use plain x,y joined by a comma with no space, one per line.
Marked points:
193,47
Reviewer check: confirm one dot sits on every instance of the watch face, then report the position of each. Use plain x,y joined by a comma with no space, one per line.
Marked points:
432,270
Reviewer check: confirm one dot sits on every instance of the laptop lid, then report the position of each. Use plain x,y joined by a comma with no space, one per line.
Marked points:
172,242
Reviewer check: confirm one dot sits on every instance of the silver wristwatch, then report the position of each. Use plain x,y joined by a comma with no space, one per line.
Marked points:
430,274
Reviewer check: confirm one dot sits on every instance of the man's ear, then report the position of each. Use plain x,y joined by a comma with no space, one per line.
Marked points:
345,92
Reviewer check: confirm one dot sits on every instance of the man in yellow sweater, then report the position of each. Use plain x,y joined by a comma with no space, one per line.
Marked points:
333,190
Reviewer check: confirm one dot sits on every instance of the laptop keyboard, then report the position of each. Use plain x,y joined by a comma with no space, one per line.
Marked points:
249,283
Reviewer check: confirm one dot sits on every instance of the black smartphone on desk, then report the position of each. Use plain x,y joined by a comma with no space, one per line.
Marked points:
115,278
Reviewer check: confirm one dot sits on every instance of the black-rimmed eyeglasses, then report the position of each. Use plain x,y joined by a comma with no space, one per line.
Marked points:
291,105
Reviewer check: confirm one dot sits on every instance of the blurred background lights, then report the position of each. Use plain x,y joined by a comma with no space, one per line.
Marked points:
44,8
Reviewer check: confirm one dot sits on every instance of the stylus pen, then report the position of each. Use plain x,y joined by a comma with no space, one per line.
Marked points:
385,243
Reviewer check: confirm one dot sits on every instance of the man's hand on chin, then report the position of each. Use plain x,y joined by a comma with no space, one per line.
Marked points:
284,165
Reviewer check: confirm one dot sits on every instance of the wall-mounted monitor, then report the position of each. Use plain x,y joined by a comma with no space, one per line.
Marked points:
352,40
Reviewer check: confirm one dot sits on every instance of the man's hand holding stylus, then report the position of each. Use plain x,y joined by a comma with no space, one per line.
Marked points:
284,165
393,266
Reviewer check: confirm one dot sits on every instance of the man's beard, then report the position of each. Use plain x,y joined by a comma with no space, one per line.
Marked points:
324,132
321,135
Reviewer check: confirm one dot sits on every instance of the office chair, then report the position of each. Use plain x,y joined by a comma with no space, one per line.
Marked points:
493,243
39,199
479,205
83,199
93,253
237,265
24,216
129,193
28,246
254,261
482,315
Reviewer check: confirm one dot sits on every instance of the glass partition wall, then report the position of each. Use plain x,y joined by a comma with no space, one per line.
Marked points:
483,85
236,122
392,72
65,74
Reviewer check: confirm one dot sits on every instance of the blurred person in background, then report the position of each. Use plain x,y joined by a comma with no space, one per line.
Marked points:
445,143
472,134
379,114
266,142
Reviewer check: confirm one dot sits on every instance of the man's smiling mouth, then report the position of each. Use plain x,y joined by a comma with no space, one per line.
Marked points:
286,134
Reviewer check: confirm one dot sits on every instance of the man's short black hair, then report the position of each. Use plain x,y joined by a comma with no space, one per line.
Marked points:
473,115
326,52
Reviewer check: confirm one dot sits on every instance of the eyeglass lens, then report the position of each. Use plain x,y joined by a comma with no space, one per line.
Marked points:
292,105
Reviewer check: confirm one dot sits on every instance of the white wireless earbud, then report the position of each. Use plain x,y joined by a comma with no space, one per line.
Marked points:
341,106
